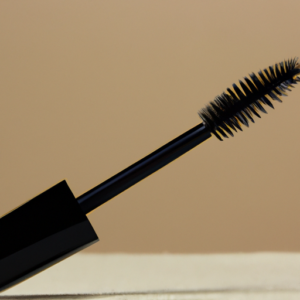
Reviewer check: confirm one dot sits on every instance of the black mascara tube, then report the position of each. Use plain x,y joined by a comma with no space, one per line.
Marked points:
53,225
143,168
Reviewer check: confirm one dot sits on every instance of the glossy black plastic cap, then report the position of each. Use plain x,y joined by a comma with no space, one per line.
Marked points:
40,233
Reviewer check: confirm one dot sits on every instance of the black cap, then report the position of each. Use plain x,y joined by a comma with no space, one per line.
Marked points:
40,233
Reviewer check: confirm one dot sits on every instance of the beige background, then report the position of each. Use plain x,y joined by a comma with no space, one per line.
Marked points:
89,87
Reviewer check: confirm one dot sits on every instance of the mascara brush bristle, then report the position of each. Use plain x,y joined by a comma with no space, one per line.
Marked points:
237,106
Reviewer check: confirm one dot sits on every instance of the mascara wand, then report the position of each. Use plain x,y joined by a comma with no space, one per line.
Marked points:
53,225
227,113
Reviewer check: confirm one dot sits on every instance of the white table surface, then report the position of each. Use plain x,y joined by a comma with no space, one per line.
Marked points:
166,276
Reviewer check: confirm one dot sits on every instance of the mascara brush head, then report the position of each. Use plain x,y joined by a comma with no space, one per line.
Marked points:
238,105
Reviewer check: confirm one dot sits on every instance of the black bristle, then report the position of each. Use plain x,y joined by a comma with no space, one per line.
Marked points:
238,105
266,101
